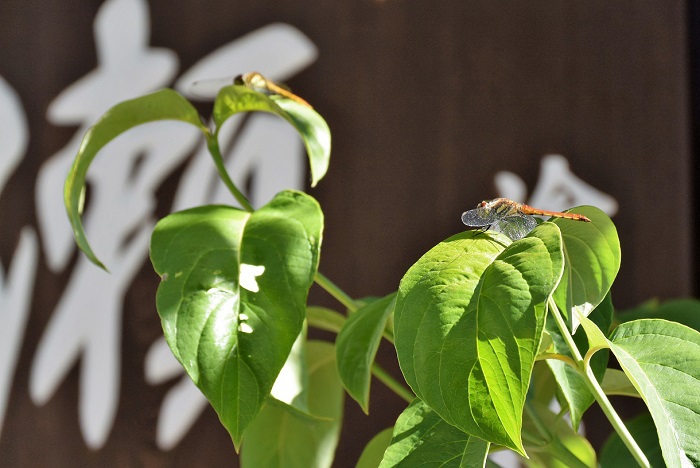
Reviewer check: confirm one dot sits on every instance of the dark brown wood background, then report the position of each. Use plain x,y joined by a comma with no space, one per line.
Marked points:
426,101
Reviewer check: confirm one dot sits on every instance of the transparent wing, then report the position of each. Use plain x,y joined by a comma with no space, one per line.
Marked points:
516,226
478,217
207,89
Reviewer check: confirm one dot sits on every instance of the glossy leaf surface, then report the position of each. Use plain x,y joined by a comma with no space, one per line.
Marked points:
233,293
468,323
662,360
313,129
592,252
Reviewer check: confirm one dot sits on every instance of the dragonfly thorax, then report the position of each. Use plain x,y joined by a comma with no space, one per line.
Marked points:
500,206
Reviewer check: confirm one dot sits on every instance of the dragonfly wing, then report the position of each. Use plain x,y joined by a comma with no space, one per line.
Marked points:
478,217
515,226
207,89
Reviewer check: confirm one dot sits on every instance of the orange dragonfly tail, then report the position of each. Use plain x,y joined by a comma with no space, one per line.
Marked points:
527,209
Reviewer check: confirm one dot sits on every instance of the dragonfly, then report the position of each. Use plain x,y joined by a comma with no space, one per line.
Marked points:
253,80
510,217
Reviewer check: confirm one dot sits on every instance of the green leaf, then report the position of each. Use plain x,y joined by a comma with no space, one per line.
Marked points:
553,443
422,438
616,382
279,438
233,293
543,386
468,324
291,383
165,104
313,129
592,252
662,359
615,454
684,311
325,319
573,387
357,344
373,452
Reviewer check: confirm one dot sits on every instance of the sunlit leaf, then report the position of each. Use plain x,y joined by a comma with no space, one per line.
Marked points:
662,360
233,334
313,129
468,323
161,105
281,438
592,252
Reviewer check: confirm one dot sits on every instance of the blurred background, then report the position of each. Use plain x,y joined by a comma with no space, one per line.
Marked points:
433,106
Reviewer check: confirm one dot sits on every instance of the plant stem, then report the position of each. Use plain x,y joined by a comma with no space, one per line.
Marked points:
336,292
384,377
213,146
597,391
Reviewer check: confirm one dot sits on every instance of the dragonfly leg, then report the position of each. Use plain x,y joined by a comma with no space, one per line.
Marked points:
484,228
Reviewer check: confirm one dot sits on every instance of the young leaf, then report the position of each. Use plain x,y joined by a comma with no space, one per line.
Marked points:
422,438
280,438
310,125
357,344
233,293
592,252
373,452
468,323
572,386
662,359
165,104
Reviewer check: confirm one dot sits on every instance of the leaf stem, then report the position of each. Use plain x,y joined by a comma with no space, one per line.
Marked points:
597,391
384,377
215,152
336,292
381,374
558,357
